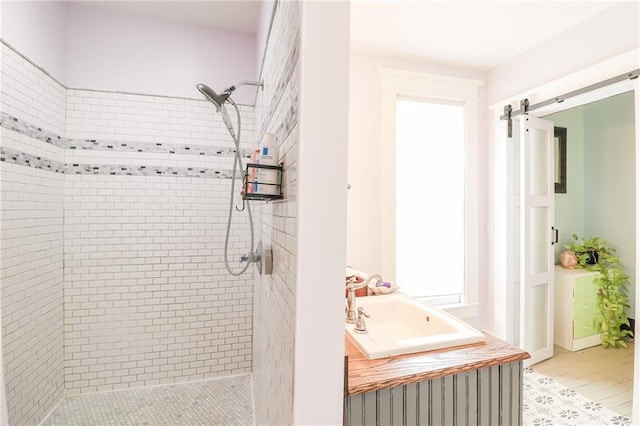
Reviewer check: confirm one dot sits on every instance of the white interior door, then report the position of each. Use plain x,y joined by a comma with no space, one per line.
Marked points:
536,237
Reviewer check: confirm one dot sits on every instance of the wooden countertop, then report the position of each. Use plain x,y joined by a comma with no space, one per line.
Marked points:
365,375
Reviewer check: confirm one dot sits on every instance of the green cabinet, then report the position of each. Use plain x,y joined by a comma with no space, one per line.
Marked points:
585,307
584,286
583,327
575,309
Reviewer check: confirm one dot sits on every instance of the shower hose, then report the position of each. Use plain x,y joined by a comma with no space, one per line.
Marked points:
237,162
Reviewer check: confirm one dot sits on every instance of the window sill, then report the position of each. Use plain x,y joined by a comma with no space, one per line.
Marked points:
464,311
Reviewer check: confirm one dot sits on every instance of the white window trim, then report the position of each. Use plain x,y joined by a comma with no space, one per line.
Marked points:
400,83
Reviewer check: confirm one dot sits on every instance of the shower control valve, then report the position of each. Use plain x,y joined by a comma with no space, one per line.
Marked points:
244,258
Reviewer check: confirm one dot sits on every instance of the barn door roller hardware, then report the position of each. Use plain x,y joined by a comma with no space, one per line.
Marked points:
525,107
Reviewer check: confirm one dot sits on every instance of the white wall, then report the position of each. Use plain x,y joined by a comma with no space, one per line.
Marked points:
363,210
614,31
324,120
39,31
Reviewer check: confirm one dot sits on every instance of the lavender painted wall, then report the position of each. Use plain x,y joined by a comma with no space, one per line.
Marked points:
40,30
116,51
85,46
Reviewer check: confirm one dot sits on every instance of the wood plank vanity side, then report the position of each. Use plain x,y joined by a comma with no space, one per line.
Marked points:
365,375
490,396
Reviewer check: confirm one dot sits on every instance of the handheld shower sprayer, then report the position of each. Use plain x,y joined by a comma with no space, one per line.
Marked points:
216,99
219,100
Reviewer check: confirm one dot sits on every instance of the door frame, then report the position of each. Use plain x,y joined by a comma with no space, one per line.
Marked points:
502,291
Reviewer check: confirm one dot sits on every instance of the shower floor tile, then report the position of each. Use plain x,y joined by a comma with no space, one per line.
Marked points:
225,401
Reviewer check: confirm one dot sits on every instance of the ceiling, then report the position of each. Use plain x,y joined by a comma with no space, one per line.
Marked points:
474,34
233,15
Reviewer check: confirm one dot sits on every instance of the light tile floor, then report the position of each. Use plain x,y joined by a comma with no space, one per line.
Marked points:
226,401
602,375
548,403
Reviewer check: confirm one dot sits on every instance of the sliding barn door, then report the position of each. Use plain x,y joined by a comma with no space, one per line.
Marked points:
536,237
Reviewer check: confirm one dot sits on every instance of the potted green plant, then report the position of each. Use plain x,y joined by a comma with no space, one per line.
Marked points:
612,303
589,250
612,288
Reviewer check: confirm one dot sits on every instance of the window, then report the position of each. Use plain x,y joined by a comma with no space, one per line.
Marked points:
430,189
430,205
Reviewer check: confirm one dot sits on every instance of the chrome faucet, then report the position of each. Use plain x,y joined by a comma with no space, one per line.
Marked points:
352,316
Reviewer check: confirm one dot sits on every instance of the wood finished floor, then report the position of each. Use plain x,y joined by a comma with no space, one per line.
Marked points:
602,375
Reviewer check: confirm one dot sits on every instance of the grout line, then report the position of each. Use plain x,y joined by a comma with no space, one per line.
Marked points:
53,409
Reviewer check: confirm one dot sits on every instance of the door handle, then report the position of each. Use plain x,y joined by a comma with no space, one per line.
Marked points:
555,236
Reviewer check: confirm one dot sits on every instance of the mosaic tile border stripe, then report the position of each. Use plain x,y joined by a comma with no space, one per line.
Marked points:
284,80
31,130
23,159
38,133
90,169
289,123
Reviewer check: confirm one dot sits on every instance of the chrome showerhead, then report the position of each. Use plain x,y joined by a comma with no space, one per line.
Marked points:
217,99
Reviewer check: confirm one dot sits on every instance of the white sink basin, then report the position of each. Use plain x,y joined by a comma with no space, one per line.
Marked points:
400,325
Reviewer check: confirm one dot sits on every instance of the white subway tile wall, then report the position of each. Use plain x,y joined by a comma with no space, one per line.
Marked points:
142,185
31,245
275,295
147,298
31,94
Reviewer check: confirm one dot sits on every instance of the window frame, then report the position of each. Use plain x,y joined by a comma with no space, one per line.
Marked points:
397,84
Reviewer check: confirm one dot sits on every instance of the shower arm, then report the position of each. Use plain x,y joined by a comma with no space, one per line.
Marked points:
244,83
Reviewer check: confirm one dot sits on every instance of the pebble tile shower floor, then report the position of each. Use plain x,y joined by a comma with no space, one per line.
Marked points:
226,401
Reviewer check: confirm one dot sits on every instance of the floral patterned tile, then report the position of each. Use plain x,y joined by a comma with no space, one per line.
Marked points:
548,403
